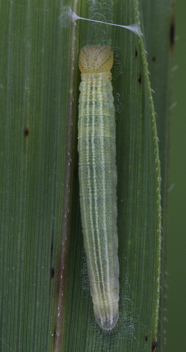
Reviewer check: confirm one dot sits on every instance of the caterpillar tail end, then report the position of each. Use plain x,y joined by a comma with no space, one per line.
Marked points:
108,320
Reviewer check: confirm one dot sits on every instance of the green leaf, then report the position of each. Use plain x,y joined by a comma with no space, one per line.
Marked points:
45,299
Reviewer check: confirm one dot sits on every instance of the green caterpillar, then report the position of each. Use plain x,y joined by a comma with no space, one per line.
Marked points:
97,180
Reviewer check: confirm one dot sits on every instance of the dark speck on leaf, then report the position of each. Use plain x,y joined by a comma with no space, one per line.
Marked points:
26,132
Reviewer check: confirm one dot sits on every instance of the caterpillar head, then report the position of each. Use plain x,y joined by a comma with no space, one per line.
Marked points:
96,59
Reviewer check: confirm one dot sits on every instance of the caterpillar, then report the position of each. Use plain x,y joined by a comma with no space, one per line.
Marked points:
97,181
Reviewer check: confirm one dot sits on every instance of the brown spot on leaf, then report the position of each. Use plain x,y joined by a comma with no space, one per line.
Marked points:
139,79
172,34
26,132
52,273
154,346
